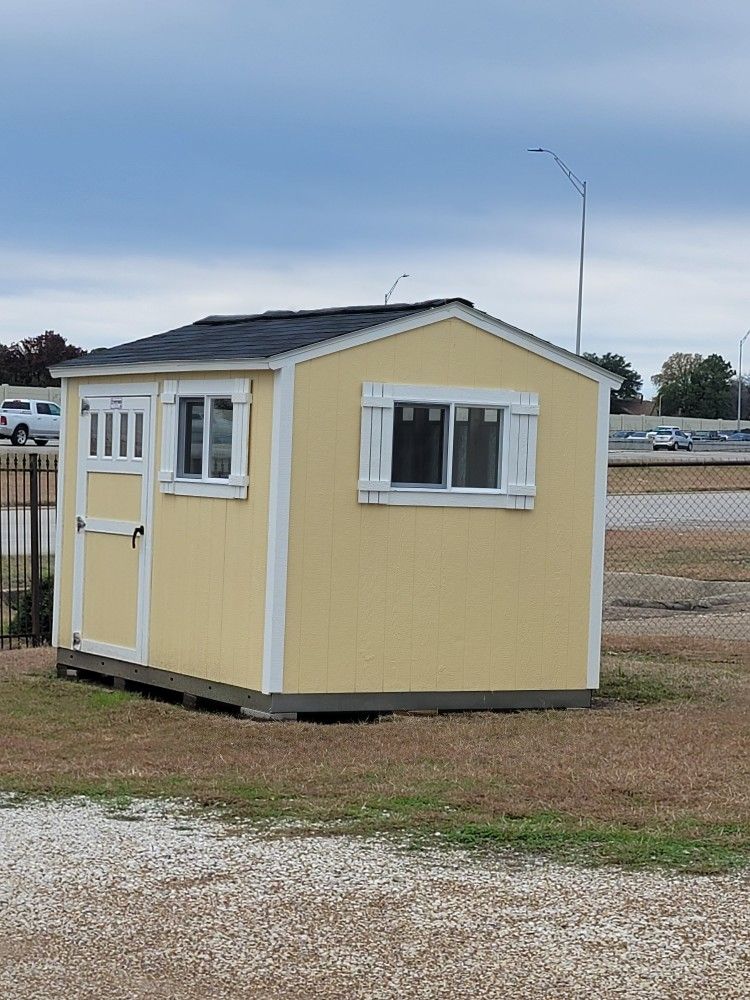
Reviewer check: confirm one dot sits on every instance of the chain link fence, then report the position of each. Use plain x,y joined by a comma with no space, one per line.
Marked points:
677,554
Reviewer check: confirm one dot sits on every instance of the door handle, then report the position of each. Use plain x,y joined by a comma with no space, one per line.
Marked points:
140,530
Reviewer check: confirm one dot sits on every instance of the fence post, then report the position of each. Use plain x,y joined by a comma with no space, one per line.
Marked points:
35,567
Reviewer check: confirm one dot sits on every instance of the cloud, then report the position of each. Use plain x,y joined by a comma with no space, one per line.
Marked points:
652,287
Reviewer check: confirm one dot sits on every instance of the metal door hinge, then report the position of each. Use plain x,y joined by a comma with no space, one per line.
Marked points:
76,640
80,523
85,406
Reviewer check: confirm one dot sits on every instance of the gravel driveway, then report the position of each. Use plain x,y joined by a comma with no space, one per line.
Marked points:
151,904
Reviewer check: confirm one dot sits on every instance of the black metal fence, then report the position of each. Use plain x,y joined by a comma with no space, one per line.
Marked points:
677,555
28,490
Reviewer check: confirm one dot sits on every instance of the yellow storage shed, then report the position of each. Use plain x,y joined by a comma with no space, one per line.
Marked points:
357,509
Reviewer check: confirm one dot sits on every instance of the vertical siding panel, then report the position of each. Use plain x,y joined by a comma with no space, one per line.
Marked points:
479,601
453,583
318,525
427,577
506,563
399,601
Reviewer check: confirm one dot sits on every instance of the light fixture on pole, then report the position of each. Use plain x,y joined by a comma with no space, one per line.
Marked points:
739,381
390,290
580,187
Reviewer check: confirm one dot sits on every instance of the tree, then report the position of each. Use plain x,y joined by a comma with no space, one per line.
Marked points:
616,363
710,389
694,386
673,382
28,361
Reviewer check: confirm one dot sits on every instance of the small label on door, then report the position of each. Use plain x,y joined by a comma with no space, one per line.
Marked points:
115,404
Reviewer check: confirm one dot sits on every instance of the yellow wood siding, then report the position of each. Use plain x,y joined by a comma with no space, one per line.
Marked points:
110,606
389,598
208,556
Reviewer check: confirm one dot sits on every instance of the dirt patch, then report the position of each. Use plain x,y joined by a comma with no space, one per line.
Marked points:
682,760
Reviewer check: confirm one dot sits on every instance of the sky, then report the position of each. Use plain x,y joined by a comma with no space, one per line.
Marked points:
161,160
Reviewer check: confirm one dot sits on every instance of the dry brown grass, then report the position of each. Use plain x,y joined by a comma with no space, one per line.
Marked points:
677,478
705,554
682,760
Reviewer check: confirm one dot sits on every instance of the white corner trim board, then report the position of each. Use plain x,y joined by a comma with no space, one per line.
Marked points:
278,530
597,545
517,487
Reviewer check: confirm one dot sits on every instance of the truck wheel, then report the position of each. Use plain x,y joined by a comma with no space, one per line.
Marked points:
20,436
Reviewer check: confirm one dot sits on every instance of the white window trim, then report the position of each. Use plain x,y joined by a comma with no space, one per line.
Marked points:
238,389
518,453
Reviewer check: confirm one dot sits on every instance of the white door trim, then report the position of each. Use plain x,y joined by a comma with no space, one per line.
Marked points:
140,653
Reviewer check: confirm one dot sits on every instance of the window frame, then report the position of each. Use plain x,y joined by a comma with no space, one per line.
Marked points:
236,390
517,459
448,487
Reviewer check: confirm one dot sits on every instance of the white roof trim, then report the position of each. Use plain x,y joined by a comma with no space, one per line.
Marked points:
154,367
453,310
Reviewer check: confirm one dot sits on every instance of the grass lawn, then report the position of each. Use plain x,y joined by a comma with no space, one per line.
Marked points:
676,478
657,774
700,554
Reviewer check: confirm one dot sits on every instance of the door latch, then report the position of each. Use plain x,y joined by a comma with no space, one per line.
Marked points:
140,530
80,523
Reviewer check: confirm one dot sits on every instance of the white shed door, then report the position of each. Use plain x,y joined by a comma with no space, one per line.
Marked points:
113,536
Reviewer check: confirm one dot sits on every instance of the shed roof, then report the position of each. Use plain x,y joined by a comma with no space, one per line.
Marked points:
257,336
262,338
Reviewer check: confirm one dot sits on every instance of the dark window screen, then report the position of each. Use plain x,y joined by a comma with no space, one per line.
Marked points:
190,463
476,447
418,445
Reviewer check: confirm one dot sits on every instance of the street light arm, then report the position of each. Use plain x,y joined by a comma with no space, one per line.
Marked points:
577,183
391,289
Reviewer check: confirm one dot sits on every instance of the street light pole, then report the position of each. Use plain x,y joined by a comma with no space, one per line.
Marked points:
739,381
580,187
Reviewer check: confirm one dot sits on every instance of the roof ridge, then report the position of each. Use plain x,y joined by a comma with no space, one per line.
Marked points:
225,320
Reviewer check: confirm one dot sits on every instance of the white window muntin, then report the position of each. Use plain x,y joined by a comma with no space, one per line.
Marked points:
238,391
517,487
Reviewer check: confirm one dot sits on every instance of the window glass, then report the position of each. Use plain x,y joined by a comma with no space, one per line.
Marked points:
220,439
94,434
476,447
123,451
190,458
43,408
138,436
108,417
17,404
418,445
54,409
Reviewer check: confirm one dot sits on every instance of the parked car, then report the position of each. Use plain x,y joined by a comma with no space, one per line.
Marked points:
671,438
637,436
708,436
739,436
21,419
619,435
664,429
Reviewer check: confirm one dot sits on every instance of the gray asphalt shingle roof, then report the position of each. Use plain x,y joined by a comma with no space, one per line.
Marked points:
263,335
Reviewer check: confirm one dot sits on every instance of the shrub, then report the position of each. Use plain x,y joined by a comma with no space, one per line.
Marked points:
21,624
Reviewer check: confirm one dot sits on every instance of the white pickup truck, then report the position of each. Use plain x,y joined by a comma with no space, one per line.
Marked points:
21,419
